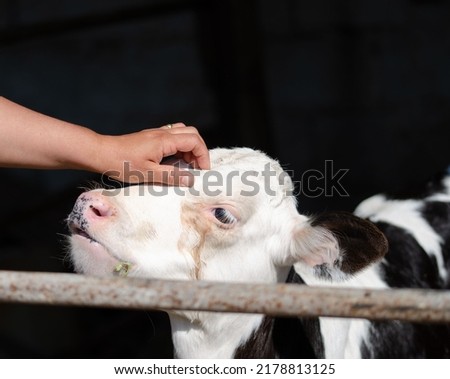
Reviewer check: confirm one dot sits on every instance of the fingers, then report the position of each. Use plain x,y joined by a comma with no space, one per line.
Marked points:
180,128
177,125
191,147
170,175
155,173
191,150
147,148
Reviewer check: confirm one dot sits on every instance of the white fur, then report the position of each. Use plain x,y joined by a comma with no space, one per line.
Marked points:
342,338
216,336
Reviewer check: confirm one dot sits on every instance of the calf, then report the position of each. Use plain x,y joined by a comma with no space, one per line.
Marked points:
239,223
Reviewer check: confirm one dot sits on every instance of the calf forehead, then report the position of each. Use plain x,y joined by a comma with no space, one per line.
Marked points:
237,156
243,172
244,159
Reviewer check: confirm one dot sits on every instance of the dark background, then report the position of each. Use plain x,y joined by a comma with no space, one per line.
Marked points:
363,83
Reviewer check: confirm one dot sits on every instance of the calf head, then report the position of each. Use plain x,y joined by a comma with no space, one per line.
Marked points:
238,222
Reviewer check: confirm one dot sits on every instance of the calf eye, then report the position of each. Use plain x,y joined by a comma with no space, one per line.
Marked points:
224,216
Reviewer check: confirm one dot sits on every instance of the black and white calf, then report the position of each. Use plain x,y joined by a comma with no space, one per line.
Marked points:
239,223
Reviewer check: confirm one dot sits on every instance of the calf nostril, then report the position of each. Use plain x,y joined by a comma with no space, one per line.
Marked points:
100,209
95,210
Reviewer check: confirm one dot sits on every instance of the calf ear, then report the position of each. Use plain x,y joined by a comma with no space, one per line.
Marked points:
337,245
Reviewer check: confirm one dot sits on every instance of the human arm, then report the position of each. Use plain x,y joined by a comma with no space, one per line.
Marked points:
29,139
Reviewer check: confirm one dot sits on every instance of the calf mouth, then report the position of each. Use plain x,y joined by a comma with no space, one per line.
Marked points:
122,268
79,231
77,225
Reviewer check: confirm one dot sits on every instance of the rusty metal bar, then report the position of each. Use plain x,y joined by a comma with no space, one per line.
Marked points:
416,305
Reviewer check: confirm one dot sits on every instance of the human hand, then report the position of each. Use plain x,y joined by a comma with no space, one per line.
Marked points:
32,140
136,157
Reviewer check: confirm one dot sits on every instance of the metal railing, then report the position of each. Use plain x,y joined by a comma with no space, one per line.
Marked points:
415,305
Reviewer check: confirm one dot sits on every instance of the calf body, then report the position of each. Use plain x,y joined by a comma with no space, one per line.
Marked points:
239,223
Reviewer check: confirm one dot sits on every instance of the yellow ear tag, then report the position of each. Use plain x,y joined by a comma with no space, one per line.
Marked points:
122,269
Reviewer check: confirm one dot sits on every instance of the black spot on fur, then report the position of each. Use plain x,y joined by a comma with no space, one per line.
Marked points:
308,339
406,264
285,338
437,214
399,340
260,344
